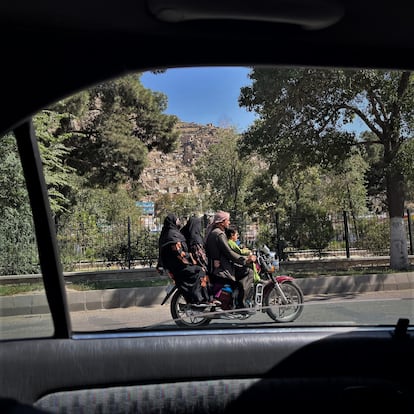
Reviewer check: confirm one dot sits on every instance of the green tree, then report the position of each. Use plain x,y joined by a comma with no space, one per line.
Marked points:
18,249
224,174
345,189
406,159
374,235
183,205
303,207
103,206
96,224
59,176
302,114
111,127
263,196
146,245
374,175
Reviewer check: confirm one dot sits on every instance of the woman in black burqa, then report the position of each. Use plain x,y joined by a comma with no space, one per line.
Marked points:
195,243
174,255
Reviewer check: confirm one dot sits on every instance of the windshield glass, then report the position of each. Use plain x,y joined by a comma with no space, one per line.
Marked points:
300,180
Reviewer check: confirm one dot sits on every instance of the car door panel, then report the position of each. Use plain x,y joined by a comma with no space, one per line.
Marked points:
78,368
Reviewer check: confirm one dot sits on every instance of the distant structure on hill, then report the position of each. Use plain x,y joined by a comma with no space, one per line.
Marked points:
172,173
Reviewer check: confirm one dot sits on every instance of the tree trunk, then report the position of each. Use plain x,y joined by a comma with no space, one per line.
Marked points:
398,251
398,237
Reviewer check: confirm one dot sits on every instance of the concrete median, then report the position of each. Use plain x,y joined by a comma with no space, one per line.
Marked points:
36,303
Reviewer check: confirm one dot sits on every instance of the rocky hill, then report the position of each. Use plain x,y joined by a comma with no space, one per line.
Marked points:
172,173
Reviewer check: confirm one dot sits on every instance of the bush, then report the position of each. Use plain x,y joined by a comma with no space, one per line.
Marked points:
374,236
313,230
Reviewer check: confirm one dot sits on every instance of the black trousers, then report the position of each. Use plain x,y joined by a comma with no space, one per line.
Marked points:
244,280
192,282
244,276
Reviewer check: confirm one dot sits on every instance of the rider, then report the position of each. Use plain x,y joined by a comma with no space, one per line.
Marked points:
190,278
222,259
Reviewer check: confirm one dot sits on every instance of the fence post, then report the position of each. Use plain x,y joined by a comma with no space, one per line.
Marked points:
129,243
410,231
277,235
348,255
205,223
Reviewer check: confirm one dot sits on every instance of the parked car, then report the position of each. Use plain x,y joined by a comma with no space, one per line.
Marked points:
61,358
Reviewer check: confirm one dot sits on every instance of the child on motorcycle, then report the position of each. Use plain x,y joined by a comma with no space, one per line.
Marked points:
223,260
233,236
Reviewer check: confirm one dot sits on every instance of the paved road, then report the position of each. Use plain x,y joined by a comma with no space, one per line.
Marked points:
36,303
352,309
373,307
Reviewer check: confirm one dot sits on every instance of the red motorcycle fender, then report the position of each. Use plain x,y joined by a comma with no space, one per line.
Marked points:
280,279
284,278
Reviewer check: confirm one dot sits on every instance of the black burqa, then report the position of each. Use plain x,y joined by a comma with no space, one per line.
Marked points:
194,238
175,256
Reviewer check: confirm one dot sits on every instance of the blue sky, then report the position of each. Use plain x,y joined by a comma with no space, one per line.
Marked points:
204,95
207,95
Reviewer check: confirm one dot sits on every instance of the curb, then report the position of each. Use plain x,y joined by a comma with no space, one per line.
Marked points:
29,304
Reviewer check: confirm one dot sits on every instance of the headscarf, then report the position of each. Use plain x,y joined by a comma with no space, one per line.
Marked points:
170,232
192,231
219,217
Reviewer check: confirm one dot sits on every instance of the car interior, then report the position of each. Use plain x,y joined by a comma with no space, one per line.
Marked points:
51,362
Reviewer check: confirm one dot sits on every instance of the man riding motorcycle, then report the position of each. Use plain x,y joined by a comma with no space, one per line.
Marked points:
222,260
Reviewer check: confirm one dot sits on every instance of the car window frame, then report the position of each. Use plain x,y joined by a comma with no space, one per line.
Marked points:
44,228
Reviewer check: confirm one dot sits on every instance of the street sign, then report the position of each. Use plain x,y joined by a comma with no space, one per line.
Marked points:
147,207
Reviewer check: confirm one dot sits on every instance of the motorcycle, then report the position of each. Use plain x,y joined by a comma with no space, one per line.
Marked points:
276,295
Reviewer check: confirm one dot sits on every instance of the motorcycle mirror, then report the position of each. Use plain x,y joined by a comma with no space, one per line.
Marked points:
266,249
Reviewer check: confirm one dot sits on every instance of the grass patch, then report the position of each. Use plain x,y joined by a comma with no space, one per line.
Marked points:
118,284
8,290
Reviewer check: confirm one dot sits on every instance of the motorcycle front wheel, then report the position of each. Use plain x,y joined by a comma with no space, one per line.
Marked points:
184,314
288,312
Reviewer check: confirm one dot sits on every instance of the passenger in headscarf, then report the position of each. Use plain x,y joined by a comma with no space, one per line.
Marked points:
219,217
194,238
190,278
222,259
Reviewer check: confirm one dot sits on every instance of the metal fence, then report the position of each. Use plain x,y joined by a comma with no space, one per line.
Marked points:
123,245
342,235
128,245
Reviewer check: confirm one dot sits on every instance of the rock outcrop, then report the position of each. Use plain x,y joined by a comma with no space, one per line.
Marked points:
172,173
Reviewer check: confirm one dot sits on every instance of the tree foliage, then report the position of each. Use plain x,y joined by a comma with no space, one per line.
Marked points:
96,139
224,174
312,229
264,196
303,115
59,176
183,205
18,250
345,188
111,127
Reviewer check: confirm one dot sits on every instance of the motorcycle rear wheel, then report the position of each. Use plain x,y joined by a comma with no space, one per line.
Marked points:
184,314
288,312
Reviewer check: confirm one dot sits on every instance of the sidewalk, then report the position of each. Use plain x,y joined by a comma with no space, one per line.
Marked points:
36,303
